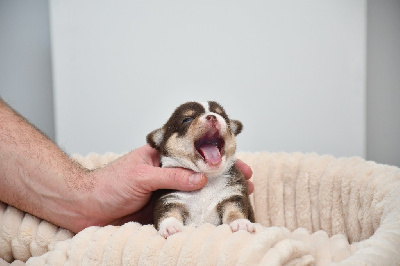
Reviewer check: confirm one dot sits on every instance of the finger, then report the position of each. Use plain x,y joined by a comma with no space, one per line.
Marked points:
250,187
175,178
244,168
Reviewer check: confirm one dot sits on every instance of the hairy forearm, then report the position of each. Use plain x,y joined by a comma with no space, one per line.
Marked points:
35,175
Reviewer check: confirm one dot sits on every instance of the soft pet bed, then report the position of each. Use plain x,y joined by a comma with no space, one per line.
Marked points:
310,209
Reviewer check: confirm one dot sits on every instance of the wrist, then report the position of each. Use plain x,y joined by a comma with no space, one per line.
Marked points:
88,207
65,202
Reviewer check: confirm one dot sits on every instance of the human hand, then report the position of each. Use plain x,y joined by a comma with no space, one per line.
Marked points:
122,190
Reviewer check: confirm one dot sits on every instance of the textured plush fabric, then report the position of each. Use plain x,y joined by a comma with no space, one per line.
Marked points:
310,209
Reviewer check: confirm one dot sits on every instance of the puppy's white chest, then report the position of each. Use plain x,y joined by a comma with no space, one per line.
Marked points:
202,204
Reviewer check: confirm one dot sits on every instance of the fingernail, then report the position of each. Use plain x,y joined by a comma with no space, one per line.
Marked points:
195,178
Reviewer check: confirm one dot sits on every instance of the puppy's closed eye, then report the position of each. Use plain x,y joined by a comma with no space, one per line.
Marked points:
187,120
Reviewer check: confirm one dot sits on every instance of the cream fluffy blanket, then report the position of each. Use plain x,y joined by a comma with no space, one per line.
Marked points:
310,209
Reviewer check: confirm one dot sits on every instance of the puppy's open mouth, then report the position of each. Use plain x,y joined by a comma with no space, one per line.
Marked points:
210,147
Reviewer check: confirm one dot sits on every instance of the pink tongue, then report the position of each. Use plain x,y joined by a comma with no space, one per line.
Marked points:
211,154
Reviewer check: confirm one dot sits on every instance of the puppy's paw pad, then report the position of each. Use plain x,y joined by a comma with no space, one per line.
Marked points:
169,227
242,224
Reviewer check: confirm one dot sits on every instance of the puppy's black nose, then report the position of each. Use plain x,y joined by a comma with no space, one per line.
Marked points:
211,118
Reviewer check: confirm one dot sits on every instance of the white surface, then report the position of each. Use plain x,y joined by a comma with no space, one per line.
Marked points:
292,72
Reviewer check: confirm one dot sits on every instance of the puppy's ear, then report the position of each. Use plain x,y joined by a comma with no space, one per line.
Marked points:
155,138
236,127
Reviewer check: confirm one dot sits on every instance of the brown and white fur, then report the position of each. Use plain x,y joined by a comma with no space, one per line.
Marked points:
201,137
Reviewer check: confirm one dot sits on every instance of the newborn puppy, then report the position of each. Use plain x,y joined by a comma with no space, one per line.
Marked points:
201,137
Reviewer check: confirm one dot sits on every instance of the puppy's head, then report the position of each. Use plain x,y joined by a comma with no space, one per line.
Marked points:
198,136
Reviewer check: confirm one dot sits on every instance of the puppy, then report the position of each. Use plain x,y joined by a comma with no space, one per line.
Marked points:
201,137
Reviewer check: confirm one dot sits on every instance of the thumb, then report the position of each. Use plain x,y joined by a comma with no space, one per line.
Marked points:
176,178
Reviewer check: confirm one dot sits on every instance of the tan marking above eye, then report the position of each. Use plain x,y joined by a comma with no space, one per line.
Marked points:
218,110
188,113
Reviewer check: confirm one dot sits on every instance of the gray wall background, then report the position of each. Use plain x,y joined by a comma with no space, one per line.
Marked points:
383,81
294,74
25,61
26,71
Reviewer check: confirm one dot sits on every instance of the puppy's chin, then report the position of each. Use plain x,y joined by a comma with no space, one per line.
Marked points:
212,170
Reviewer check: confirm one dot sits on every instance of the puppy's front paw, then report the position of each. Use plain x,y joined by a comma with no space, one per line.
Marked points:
170,226
242,224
